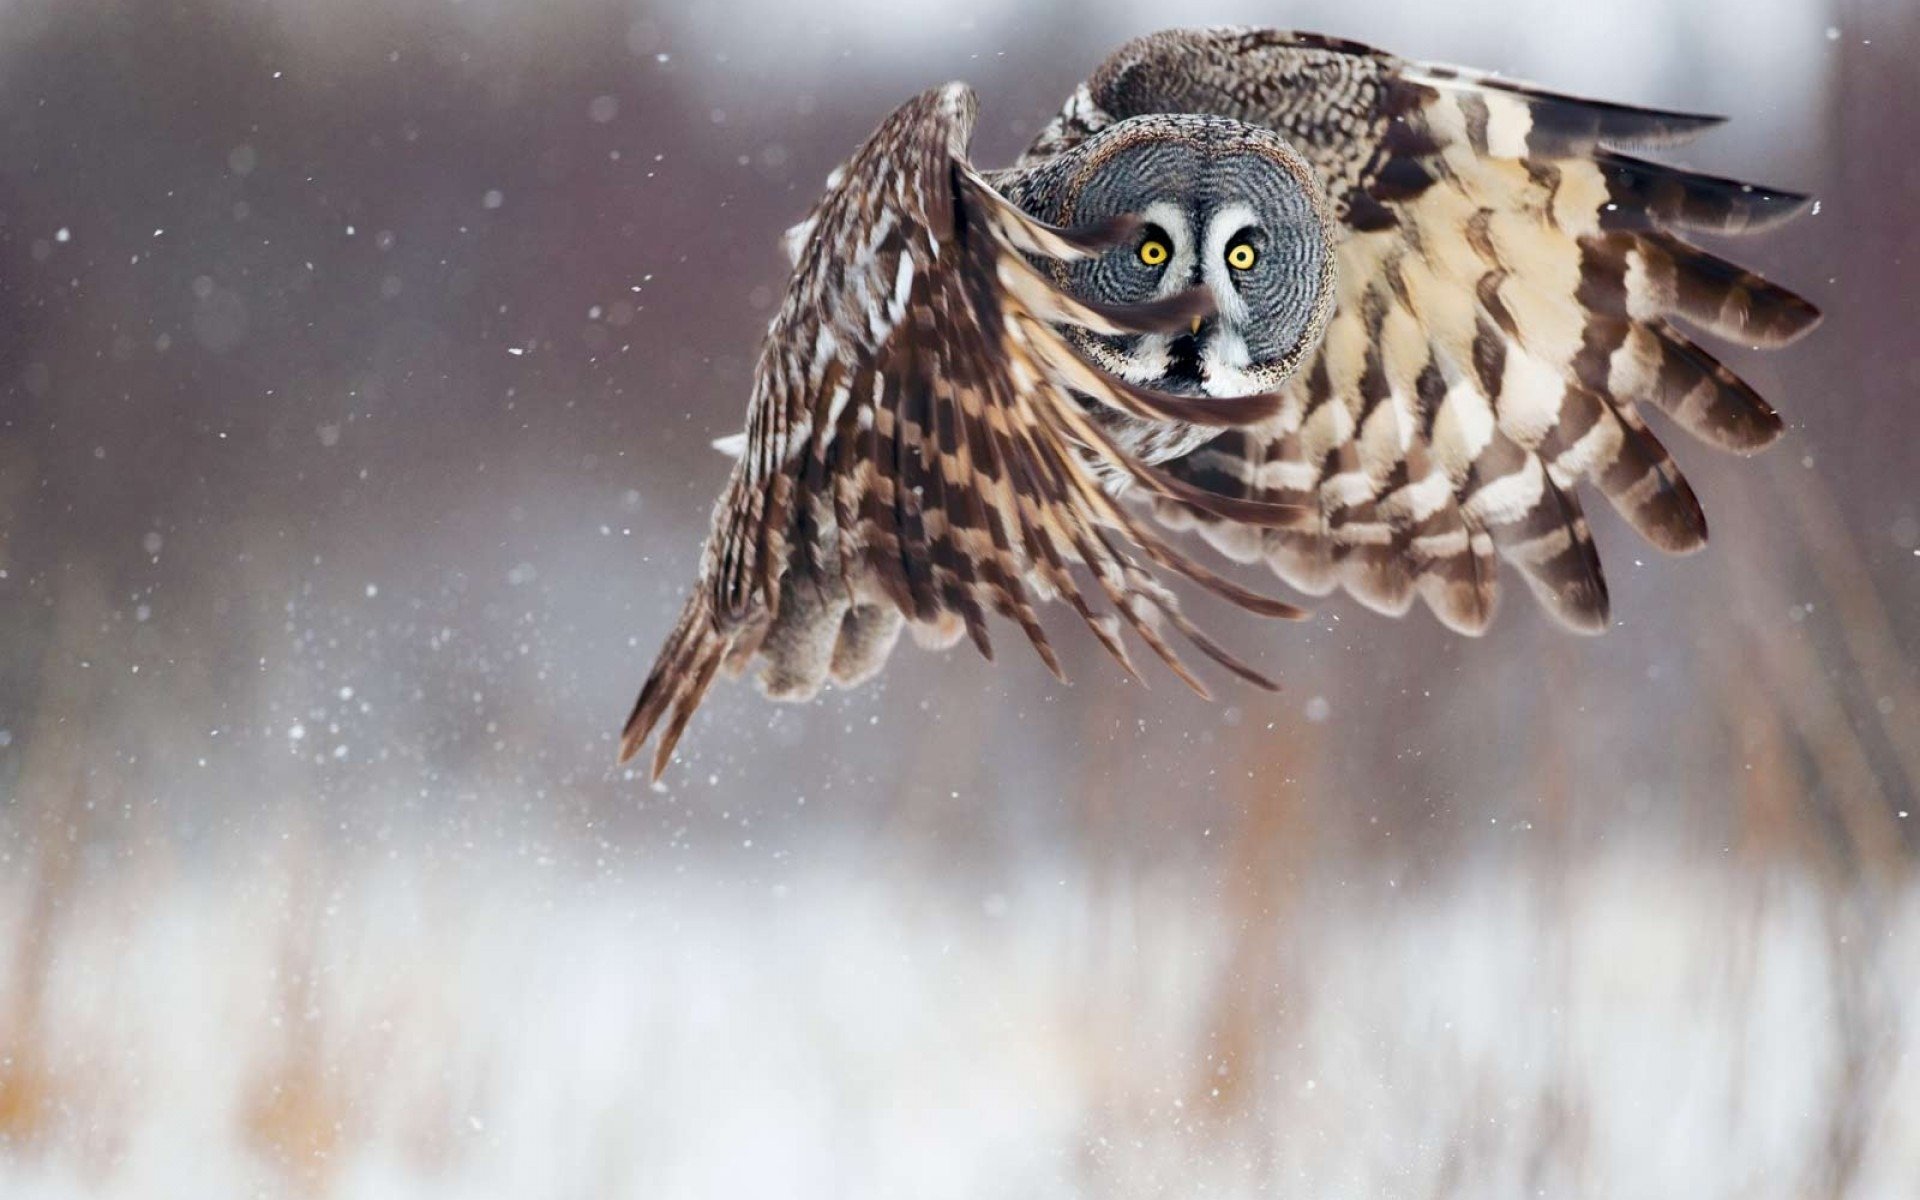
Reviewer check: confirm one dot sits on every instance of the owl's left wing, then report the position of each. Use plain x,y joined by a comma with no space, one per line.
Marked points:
914,448
1508,285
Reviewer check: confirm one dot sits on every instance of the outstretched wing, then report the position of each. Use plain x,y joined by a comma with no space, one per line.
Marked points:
1508,283
914,448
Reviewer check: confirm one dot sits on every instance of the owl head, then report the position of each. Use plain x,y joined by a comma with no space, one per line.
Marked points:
1220,205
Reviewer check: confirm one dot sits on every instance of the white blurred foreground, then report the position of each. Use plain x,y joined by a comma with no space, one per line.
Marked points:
498,1029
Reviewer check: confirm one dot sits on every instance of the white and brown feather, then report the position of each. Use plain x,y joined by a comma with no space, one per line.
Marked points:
918,451
1509,278
925,448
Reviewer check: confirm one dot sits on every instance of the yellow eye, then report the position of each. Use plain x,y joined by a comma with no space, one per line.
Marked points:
1153,252
1241,257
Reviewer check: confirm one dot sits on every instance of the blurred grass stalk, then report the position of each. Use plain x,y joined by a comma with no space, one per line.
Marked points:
1171,1034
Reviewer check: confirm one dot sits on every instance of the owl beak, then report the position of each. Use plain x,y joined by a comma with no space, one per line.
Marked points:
1196,325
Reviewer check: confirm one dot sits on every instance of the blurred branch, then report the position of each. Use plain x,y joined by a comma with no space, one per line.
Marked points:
53,795
1884,670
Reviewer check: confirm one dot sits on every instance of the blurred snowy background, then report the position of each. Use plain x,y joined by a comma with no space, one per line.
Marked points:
358,368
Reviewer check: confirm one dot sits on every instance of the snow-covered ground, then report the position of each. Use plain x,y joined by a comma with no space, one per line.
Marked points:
502,1029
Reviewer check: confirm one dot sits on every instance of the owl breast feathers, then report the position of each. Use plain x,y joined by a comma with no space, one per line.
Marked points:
1372,322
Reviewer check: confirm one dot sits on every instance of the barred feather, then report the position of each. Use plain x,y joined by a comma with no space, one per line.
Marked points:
917,448
925,449
1508,284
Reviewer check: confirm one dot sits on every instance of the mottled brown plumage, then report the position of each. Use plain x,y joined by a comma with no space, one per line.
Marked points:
928,444
1506,284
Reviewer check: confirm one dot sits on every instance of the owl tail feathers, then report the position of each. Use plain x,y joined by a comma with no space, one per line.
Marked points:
679,681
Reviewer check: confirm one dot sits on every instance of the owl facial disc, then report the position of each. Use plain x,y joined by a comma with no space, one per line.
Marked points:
1223,206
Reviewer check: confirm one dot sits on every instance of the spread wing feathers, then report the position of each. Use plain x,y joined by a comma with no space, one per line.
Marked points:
1509,283
914,443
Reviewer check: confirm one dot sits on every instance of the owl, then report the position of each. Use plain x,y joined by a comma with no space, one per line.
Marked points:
1377,324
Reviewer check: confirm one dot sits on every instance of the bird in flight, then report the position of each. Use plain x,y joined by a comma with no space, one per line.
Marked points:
1376,323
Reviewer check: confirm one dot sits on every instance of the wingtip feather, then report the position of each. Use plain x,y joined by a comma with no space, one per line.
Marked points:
678,682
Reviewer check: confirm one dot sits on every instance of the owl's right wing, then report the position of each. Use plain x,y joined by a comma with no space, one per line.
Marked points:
915,449
1508,283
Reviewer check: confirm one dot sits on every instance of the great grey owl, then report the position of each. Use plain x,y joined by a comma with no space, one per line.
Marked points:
1371,321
